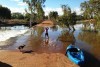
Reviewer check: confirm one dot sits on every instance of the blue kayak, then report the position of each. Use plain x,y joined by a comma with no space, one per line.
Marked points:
75,54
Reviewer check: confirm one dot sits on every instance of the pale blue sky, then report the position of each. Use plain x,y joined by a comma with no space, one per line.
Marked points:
58,3
51,5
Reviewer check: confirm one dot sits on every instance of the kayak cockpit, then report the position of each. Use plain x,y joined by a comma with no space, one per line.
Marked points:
75,54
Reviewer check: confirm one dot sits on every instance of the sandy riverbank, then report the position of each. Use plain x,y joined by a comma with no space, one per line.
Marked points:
18,59
46,23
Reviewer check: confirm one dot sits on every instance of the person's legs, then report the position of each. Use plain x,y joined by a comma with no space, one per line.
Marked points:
46,34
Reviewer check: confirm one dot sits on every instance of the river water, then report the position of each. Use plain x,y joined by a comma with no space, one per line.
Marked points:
59,38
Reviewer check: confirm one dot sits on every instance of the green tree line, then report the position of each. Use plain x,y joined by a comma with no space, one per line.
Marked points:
91,9
5,13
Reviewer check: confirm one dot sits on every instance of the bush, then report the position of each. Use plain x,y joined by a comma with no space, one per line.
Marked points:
17,21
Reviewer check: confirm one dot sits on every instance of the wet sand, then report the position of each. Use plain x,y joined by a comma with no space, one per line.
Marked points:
46,23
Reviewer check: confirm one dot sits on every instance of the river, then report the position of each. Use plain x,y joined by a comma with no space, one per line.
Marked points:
59,38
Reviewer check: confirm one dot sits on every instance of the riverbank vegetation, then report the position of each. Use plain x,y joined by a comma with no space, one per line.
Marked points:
91,12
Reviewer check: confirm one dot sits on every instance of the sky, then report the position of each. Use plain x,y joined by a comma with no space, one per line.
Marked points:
50,5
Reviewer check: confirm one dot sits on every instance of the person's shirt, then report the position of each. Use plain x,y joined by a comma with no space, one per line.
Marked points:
46,30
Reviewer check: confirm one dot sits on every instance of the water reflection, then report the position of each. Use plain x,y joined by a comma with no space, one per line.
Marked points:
93,40
47,40
74,39
67,36
54,28
58,38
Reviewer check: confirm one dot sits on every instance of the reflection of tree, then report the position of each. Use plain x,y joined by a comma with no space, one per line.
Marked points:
37,32
74,40
54,28
35,42
92,39
66,37
40,30
36,39
89,26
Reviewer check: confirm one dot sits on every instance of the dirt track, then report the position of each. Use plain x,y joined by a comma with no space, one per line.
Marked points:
46,23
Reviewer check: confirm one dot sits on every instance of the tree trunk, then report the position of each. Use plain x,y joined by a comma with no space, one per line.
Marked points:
73,27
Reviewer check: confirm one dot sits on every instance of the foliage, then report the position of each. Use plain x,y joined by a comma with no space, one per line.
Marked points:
95,5
87,10
40,12
17,16
66,10
65,17
5,13
98,25
27,16
53,15
68,18
91,9
35,9
17,21
72,18
80,17
45,17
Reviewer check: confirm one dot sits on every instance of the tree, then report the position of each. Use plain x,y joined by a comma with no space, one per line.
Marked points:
68,18
87,10
66,14
73,19
80,17
17,16
40,12
91,9
66,10
95,5
33,7
5,13
27,16
53,15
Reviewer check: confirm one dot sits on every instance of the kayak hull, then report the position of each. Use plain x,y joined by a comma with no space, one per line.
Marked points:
75,54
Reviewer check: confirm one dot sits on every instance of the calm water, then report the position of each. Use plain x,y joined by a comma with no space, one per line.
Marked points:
59,39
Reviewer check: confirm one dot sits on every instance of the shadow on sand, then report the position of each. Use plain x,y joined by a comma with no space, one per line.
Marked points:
27,51
4,64
90,60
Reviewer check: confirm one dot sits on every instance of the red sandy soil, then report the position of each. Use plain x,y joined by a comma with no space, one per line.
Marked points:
18,59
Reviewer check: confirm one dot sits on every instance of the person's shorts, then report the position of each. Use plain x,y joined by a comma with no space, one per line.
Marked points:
46,34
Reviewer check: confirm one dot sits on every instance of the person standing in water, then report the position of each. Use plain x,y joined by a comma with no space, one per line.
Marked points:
46,33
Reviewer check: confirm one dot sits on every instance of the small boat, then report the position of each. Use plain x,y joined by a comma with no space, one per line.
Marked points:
75,54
